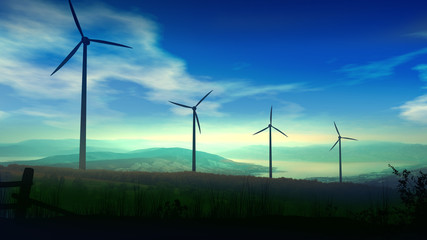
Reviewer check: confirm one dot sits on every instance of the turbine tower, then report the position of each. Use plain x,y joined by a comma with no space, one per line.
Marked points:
269,127
195,118
339,141
85,41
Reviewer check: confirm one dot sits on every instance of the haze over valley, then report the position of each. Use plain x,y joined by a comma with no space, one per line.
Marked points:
314,161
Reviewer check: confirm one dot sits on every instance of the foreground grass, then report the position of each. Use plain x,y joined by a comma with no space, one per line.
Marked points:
190,195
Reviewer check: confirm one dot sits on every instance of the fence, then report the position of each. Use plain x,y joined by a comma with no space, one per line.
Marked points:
23,197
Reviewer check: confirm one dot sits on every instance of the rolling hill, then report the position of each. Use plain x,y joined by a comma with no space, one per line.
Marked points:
150,160
47,147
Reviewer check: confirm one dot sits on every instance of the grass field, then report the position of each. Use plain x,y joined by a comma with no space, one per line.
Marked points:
188,197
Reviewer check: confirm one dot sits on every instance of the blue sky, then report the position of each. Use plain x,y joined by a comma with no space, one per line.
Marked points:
361,63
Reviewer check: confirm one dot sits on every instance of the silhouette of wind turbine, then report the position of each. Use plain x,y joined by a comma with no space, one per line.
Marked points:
339,141
269,127
195,118
85,41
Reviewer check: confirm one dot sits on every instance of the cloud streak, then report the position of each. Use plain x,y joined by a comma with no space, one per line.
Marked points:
360,73
415,110
37,35
422,72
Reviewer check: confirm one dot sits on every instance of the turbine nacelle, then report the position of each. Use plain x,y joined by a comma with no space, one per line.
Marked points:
270,125
194,108
86,41
339,137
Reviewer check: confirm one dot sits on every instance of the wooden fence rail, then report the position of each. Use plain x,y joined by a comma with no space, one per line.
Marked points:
23,197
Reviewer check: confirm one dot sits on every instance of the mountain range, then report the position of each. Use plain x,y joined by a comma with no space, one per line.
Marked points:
149,160
45,147
122,155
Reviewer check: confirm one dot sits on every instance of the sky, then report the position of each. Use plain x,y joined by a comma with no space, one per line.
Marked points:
362,64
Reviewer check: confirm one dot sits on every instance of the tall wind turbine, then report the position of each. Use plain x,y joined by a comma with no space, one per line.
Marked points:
269,127
339,141
85,41
194,126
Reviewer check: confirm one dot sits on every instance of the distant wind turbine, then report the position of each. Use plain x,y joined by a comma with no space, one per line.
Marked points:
339,141
85,41
195,117
269,127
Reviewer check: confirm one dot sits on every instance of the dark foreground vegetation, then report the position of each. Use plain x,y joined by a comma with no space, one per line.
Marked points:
210,206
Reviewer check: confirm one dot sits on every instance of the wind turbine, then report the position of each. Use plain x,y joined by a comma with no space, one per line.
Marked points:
339,141
85,41
194,126
269,127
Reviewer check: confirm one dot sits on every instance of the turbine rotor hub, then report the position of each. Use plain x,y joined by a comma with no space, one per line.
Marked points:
85,40
194,108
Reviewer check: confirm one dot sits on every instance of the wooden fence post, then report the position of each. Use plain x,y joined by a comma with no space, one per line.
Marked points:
23,197
24,193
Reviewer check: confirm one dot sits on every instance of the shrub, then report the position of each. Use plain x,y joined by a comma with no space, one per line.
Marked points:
413,193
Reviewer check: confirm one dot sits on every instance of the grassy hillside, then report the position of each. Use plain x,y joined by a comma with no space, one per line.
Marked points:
112,203
204,195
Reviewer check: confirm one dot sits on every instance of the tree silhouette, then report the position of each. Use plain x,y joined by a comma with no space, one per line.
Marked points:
413,193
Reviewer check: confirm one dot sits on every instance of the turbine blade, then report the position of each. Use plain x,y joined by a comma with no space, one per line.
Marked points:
279,131
75,18
349,138
198,124
271,114
182,105
67,58
337,129
109,43
203,98
334,145
260,131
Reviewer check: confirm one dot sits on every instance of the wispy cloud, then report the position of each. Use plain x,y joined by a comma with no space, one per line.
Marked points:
359,73
420,34
422,72
35,36
415,110
44,113
3,114
237,89
290,110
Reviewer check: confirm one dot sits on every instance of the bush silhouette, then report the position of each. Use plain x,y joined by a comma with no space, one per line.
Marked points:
413,193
